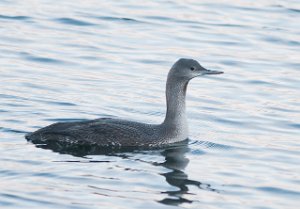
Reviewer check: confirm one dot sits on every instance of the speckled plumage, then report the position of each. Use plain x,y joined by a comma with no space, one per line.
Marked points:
103,132
108,132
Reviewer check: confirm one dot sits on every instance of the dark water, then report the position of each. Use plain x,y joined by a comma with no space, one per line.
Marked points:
70,60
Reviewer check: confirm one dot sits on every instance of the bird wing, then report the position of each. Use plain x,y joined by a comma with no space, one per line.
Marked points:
102,132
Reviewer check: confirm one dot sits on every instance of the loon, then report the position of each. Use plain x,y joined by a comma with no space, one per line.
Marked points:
110,132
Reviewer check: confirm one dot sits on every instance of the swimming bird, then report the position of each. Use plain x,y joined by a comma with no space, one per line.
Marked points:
110,132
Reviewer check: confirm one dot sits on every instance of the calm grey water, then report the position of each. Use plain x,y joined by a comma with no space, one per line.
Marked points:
70,60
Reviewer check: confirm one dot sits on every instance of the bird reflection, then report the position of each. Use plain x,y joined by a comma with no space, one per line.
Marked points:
176,161
82,150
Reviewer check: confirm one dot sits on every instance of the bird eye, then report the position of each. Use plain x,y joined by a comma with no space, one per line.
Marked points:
192,68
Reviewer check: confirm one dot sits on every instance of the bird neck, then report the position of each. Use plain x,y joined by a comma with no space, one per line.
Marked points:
175,119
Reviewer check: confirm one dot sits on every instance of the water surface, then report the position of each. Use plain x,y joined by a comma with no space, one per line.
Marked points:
78,60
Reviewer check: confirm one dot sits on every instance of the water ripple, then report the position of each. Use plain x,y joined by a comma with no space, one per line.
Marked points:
122,19
279,191
15,17
72,21
209,145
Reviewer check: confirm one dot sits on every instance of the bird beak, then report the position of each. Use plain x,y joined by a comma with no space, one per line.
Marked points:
211,72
